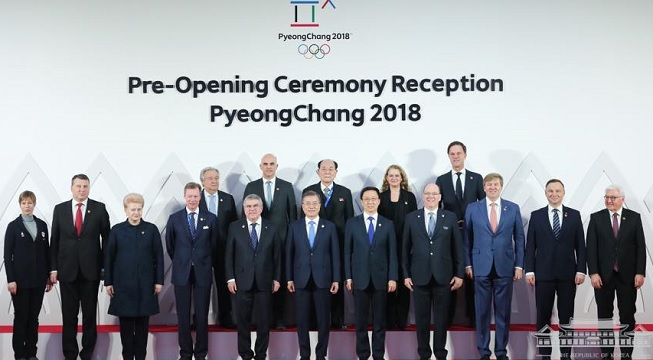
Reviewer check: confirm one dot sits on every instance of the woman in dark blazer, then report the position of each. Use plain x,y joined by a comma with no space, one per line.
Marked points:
396,202
27,263
133,276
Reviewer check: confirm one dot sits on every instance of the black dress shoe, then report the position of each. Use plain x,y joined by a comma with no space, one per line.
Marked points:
485,357
503,357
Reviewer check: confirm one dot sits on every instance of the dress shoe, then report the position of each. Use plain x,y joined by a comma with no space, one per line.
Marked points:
32,358
503,357
485,357
186,358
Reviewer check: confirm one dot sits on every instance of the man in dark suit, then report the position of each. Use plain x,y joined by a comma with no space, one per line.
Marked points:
432,268
616,260
313,273
191,238
371,271
80,229
253,271
280,208
222,205
460,187
337,207
555,260
494,258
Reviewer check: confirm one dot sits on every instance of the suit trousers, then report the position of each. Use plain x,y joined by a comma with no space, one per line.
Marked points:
224,296
305,299
27,306
378,299
80,291
436,298
133,336
398,306
626,298
545,292
498,290
249,302
201,297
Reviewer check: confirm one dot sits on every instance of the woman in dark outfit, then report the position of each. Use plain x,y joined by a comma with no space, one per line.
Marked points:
27,263
133,265
396,202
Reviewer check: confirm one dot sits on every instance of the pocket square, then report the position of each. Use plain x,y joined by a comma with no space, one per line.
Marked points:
445,227
205,227
341,199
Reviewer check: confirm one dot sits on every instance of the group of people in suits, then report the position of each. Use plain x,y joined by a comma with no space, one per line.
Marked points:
466,236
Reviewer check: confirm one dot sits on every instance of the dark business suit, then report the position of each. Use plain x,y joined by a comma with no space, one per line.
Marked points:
431,263
254,270
78,261
472,192
370,267
555,262
312,270
192,262
628,250
227,214
493,258
281,212
339,209
27,263
398,301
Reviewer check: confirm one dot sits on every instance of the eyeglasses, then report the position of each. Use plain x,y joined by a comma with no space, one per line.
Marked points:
612,198
431,194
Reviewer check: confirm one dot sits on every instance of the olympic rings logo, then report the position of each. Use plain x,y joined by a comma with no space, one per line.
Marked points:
313,50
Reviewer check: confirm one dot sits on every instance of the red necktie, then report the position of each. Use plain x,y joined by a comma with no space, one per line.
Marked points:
78,220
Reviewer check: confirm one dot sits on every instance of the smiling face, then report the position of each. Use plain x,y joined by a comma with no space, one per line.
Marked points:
311,206
431,196
492,188
555,192
457,157
192,197
393,176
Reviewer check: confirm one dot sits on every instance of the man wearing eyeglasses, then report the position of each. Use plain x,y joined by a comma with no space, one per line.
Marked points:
370,270
616,260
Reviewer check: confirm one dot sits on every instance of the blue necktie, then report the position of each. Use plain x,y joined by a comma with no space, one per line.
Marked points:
254,236
213,208
556,223
311,233
370,229
327,192
191,225
268,193
431,224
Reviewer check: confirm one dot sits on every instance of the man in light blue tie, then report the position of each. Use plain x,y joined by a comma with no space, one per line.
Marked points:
433,267
370,270
313,273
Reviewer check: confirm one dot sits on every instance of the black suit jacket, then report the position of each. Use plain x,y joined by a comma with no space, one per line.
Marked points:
245,264
406,204
70,253
365,263
472,192
283,209
628,248
322,261
550,258
27,259
226,213
440,257
340,208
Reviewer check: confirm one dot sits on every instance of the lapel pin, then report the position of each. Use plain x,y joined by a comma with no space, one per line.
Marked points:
322,226
405,202
88,211
566,214
201,219
43,234
142,232
623,218
445,228
243,226
22,234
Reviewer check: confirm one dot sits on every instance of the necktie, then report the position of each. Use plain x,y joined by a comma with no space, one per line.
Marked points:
254,236
79,220
370,229
615,230
191,225
268,193
494,222
311,233
213,206
431,224
327,193
615,224
556,223
459,188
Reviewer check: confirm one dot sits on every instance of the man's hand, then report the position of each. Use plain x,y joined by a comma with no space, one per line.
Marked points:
109,289
596,281
232,287
291,286
530,279
518,274
275,286
469,272
456,283
12,287
334,287
639,281
408,282
349,284
158,288
392,286
580,278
